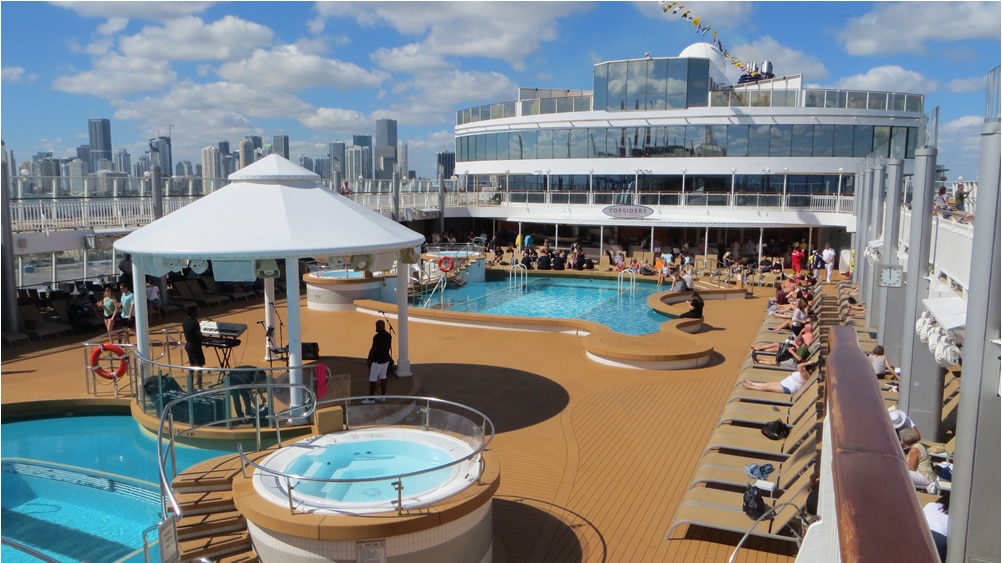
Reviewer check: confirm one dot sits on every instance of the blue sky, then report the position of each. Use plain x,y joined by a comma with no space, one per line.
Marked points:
324,71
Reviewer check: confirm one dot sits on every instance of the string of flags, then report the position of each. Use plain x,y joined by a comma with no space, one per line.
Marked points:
702,28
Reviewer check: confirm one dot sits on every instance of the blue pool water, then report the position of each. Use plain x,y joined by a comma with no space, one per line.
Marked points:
81,488
340,274
561,298
368,459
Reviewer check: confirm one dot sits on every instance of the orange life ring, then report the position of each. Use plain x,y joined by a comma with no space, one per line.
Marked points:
445,264
95,361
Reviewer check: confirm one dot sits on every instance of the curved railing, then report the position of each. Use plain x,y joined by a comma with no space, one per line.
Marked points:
425,413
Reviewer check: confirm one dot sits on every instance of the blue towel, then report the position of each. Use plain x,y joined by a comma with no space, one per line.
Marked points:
756,471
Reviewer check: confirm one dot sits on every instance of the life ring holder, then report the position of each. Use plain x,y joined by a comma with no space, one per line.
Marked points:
445,264
120,355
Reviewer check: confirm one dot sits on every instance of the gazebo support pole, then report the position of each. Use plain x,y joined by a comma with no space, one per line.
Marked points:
403,356
142,317
295,333
269,316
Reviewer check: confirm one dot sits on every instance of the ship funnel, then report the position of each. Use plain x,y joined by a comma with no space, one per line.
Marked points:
766,67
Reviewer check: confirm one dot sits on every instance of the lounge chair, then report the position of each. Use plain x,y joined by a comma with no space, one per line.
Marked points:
751,440
235,294
721,510
34,324
740,412
729,470
747,395
189,290
11,338
813,350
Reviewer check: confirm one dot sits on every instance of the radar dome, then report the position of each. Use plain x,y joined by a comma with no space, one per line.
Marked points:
707,51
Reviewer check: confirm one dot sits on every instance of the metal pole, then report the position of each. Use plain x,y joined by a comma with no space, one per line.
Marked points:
733,170
974,506
875,305
395,184
403,323
157,193
892,299
10,320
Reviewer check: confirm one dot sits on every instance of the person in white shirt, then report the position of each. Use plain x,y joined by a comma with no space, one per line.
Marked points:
828,255
790,385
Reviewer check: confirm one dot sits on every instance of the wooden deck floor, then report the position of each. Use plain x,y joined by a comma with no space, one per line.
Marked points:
594,459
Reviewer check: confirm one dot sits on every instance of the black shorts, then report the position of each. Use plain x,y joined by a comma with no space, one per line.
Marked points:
195,355
125,323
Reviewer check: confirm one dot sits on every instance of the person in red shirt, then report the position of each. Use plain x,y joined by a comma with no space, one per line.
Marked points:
797,257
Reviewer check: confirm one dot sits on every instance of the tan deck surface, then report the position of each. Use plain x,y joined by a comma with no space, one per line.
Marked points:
593,459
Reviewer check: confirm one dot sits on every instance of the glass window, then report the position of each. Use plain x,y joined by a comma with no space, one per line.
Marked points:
720,98
759,138
836,99
515,145
824,138
578,141
617,87
801,139
509,109
711,143
814,99
897,102
490,142
547,105
596,143
561,143
760,98
657,84
496,111
601,86
565,105
698,87
615,142
899,142
881,140
857,100
636,97
843,140
481,142
876,100
737,140
544,143
780,138
784,98
582,103
675,138
631,137
678,72
485,113
460,149
862,141
502,146
913,102
913,139
528,145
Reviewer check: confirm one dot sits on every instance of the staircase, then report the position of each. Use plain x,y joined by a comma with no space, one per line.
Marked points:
210,527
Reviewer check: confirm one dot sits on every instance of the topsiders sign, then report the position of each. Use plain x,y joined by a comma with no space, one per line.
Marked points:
627,211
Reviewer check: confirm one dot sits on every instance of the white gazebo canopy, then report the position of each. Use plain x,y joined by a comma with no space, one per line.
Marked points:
271,210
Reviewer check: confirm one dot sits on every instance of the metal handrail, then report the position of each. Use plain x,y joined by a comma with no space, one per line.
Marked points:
439,288
518,276
768,513
622,276
26,549
486,431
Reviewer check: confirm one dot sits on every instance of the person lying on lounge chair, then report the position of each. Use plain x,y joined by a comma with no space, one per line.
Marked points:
790,385
789,353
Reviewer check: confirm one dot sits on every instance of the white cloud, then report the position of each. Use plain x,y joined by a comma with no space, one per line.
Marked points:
156,11
115,76
431,98
888,78
100,46
190,38
190,99
959,145
907,27
12,73
972,84
726,15
113,26
463,29
336,120
288,68
785,60
412,58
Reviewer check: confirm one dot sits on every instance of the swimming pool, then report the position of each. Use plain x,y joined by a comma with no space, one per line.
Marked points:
82,488
600,301
365,465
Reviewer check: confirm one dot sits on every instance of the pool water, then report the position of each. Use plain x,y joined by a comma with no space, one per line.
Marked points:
370,459
82,488
601,301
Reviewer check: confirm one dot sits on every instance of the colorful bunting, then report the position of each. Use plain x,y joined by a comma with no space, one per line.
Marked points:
701,28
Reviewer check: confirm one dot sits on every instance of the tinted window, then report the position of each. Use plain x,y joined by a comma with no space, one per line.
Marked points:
759,138
899,142
843,140
601,86
862,141
579,143
561,143
824,138
502,146
882,140
737,140
780,139
697,91
515,145
617,87
802,140
657,84
677,75
490,141
547,105
528,145
636,98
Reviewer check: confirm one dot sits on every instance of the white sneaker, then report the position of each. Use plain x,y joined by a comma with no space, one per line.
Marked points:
368,401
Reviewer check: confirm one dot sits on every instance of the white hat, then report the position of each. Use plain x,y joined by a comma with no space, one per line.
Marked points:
898,418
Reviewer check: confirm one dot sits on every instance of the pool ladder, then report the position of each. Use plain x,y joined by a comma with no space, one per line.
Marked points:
621,280
518,276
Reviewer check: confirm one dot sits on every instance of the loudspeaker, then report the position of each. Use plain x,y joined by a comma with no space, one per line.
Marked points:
311,351
362,262
267,268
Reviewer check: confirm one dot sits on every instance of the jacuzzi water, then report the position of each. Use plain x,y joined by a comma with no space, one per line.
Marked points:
339,274
358,469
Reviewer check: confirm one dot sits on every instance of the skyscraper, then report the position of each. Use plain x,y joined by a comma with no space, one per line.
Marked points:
100,141
446,164
160,154
280,146
211,164
336,153
355,156
83,153
385,151
184,169
364,141
245,152
123,161
402,160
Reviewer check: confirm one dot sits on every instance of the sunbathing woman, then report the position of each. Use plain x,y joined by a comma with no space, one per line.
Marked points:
798,321
790,385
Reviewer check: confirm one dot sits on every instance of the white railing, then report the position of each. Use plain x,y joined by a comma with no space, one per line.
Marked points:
951,249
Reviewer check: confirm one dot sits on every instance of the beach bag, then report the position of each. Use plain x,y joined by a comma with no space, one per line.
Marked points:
775,430
752,503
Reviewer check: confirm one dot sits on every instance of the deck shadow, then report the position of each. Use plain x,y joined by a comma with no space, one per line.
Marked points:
522,525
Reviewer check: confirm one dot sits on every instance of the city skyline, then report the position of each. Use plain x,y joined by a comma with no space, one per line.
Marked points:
204,73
